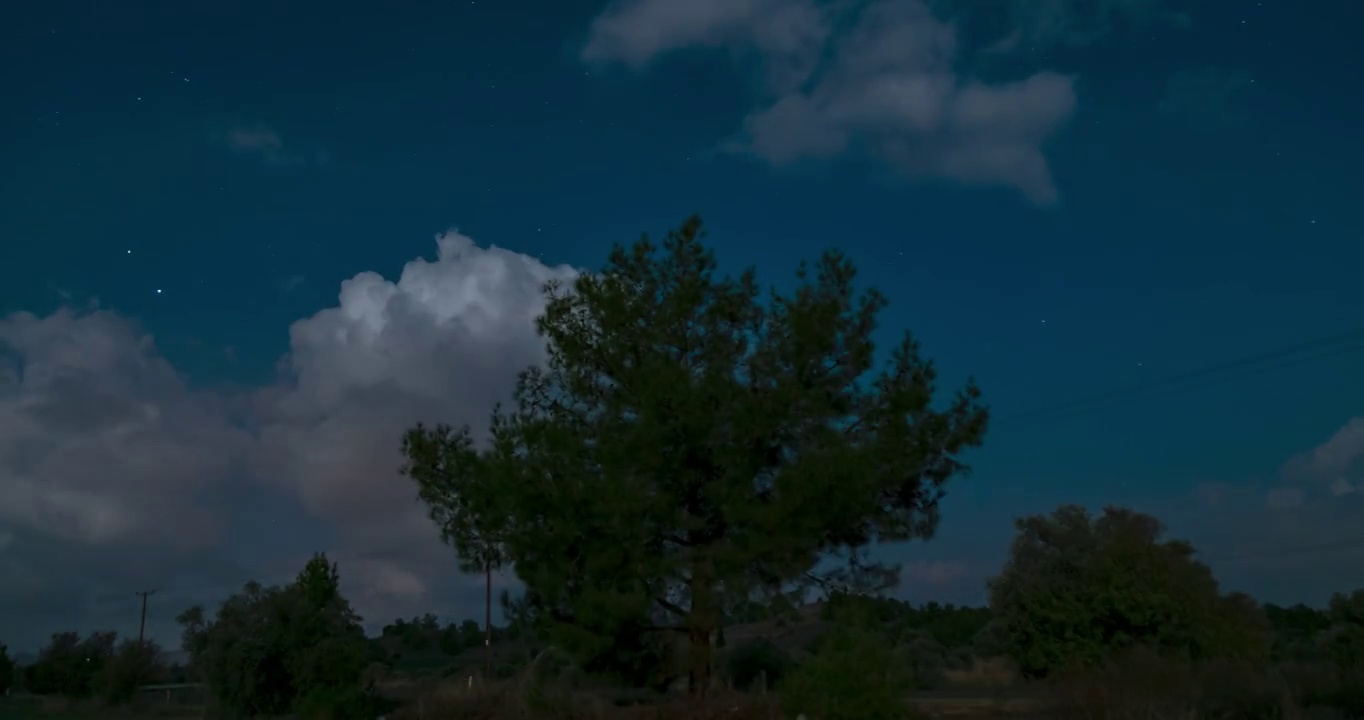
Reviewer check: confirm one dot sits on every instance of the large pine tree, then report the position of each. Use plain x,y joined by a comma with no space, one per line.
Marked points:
687,445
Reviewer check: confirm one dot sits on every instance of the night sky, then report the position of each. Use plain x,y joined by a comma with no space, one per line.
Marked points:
244,245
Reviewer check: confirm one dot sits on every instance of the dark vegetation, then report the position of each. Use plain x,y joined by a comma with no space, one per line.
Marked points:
694,463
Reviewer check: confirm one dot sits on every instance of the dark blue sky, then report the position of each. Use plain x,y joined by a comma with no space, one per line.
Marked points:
1061,199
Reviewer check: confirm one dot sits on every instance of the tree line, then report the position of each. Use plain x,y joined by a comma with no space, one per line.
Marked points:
692,453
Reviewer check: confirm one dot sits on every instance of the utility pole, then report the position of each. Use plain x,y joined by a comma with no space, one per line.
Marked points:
142,626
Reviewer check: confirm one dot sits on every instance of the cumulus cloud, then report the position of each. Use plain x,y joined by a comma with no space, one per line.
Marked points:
1299,533
115,474
101,440
442,343
1338,461
879,78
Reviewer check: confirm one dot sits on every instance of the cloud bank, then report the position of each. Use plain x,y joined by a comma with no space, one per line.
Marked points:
109,461
887,79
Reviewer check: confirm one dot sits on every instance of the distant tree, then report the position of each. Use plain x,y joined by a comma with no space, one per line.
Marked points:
6,670
449,641
273,650
69,665
440,461
1297,631
417,635
686,447
132,665
1344,638
1077,589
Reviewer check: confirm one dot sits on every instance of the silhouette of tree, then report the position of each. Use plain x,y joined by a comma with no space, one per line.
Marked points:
1077,589
686,447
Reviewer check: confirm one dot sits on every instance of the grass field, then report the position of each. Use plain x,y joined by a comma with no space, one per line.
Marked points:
964,705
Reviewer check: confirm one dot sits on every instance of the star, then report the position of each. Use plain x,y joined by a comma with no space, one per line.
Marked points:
158,291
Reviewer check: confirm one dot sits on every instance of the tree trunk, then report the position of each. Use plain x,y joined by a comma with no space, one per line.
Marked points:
700,624
488,622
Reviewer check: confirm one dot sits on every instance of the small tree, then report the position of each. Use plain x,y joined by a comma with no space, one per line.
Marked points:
441,462
1345,636
273,650
69,665
1077,589
132,665
686,447
854,674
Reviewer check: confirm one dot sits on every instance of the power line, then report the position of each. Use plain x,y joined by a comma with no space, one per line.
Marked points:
1275,359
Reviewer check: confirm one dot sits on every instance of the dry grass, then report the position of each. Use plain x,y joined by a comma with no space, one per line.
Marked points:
516,699
984,673
1145,686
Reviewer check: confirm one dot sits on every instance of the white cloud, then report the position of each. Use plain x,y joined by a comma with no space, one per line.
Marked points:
100,439
1342,451
102,443
1297,536
442,343
1338,462
879,78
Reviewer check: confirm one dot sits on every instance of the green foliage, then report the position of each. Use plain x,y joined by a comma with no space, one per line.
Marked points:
1143,682
131,666
746,664
269,650
686,447
1078,589
1297,631
854,675
330,702
6,670
950,626
924,659
1344,638
69,665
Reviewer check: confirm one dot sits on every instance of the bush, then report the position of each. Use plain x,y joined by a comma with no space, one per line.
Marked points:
336,703
1078,589
854,675
272,650
750,661
133,665
925,660
69,666
1144,683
